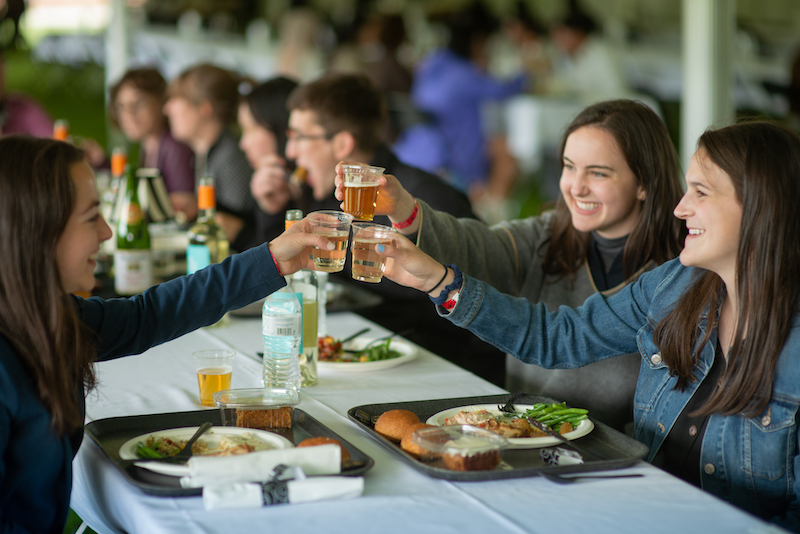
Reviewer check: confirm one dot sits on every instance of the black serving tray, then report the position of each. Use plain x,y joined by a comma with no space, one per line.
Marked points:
110,434
616,449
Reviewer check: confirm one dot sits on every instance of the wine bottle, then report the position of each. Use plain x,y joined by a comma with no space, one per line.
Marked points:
208,242
133,261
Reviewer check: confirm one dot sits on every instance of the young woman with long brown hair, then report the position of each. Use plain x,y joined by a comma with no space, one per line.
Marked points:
620,180
50,227
717,332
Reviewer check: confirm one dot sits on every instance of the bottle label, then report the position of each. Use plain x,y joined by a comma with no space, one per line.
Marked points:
133,271
282,325
197,257
135,214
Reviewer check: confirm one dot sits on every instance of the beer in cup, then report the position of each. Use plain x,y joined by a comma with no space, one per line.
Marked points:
368,265
335,226
361,190
214,369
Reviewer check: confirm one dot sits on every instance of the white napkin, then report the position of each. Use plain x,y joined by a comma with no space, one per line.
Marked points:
250,495
258,466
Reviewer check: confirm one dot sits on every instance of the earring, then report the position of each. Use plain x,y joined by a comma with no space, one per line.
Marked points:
641,196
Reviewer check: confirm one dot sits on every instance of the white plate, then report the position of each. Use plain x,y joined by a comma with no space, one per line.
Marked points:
407,353
584,428
128,449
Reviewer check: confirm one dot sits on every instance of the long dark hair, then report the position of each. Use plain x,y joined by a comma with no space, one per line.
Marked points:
267,104
37,317
645,144
762,160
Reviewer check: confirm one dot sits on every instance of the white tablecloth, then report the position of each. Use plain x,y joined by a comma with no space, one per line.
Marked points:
397,498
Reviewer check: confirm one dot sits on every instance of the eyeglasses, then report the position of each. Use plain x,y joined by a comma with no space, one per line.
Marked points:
131,107
294,135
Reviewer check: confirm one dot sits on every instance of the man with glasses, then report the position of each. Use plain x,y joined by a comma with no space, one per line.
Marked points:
342,117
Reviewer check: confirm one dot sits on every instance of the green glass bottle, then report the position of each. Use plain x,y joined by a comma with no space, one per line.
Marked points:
133,260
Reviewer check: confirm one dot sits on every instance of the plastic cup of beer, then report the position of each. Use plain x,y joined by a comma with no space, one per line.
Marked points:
335,226
368,265
214,368
361,190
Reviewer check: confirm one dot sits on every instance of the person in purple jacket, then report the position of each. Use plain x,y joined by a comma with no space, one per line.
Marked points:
20,114
136,103
50,228
452,86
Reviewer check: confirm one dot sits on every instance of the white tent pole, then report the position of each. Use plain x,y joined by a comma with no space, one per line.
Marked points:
117,43
708,28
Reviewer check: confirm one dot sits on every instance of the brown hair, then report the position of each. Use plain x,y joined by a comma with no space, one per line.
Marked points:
36,316
209,83
645,144
762,160
147,80
344,102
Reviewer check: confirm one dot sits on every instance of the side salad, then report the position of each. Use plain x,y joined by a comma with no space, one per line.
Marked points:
331,350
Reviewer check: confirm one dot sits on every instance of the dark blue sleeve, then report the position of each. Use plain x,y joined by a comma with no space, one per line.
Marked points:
132,325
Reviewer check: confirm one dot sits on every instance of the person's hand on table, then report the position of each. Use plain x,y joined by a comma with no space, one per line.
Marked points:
393,201
292,249
269,185
408,266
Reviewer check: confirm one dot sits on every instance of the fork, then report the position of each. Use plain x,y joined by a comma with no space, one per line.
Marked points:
508,407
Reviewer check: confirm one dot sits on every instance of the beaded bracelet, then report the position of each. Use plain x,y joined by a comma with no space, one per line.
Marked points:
408,222
455,284
278,267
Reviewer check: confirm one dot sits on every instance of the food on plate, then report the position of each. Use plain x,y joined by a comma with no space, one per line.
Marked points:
557,416
265,419
392,424
331,350
406,442
322,440
228,445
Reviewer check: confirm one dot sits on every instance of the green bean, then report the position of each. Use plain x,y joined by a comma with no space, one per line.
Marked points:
147,452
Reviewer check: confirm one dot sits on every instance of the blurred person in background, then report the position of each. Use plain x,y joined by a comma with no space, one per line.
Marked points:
587,64
201,107
20,114
264,120
453,87
136,107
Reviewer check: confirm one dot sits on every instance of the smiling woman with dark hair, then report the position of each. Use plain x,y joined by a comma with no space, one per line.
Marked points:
50,228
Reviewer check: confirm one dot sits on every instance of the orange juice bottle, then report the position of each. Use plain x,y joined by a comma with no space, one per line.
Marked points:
61,129
292,216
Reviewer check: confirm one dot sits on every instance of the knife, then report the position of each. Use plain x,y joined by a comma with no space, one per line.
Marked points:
547,430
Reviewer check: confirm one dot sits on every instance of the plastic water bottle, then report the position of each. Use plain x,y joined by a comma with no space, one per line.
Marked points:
281,326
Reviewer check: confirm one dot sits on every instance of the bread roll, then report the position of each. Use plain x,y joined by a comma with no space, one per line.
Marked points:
392,424
409,446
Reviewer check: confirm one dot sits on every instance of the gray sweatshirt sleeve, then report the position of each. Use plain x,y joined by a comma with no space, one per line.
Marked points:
504,255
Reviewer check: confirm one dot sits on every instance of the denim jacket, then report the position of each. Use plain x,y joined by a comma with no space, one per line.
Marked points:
749,462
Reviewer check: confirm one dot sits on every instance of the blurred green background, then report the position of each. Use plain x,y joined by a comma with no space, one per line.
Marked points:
66,92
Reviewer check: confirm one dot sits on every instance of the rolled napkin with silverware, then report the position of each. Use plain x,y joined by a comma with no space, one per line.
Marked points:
255,495
258,466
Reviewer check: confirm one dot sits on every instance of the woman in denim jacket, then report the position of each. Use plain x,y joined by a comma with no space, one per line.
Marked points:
718,332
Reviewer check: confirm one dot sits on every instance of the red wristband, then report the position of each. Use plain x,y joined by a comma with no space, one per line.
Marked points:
276,263
408,222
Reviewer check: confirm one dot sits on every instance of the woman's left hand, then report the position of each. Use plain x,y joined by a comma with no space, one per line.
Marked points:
292,249
408,266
